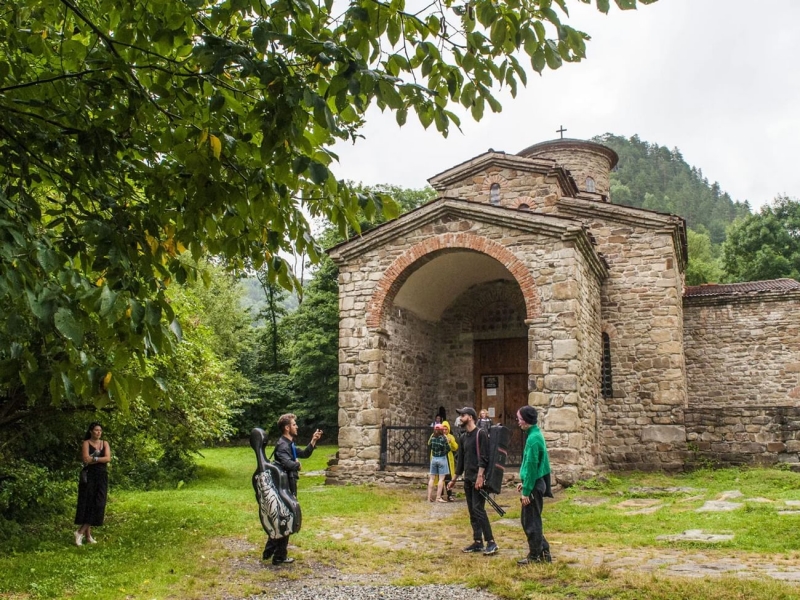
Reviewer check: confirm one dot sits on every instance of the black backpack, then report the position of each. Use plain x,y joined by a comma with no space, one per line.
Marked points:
499,439
278,508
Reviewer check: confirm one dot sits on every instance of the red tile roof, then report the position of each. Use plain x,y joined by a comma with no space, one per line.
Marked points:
736,289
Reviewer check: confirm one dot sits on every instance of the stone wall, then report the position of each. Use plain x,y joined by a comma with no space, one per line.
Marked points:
737,435
490,310
549,259
581,159
535,191
410,365
743,351
642,424
563,367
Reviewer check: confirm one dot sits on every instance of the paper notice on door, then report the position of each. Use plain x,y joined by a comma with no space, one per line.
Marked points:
491,392
491,412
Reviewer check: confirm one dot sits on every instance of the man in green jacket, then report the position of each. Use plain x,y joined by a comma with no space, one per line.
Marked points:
535,476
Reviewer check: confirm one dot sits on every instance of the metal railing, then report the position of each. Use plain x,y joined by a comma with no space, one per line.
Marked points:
407,446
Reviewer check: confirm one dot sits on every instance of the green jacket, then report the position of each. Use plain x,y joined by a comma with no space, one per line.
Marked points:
535,462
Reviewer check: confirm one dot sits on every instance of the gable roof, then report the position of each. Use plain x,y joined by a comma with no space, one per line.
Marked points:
543,166
556,226
738,289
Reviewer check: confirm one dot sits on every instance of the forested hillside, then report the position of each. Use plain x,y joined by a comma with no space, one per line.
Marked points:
657,178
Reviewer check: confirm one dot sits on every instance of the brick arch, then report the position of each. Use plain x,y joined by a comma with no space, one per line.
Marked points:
492,179
399,271
526,200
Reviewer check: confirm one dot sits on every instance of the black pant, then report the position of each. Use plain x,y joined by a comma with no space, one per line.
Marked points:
476,506
277,549
531,518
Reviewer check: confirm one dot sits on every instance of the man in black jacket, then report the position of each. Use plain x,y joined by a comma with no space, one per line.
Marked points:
472,460
286,455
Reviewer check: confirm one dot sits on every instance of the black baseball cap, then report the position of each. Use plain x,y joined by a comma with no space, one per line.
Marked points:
467,411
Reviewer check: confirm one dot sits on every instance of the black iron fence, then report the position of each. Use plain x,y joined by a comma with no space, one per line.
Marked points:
407,446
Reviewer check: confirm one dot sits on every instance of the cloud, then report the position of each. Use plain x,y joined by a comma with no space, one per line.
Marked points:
715,78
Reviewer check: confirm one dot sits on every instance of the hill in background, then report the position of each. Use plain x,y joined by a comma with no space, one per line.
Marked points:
657,178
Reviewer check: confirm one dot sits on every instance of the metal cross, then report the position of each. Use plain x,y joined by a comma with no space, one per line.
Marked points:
561,131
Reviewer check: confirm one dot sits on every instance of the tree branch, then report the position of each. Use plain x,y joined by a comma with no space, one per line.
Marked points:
51,79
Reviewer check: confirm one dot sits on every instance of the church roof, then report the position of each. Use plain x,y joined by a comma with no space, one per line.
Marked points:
739,289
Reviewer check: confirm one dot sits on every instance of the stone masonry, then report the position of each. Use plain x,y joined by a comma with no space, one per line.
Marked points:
530,247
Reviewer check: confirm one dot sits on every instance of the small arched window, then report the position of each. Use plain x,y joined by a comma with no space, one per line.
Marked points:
494,193
590,185
607,388
524,207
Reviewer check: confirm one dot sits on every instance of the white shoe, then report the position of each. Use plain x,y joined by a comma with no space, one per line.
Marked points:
78,539
91,540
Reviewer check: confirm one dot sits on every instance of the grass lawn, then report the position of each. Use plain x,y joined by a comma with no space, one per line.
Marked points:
204,540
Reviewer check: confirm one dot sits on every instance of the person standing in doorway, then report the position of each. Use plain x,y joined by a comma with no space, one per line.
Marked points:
286,455
473,458
484,422
535,476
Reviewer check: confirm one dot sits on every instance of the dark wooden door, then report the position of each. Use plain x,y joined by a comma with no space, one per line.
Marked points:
507,361
504,363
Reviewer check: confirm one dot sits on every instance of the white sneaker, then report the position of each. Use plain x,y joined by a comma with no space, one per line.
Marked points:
78,539
91,540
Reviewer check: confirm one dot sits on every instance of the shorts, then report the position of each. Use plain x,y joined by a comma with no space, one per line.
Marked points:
439,466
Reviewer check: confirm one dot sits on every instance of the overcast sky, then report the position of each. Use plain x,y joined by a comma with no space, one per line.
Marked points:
717,79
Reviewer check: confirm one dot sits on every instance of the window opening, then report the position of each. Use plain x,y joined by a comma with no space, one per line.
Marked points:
494,193
590,185
607,388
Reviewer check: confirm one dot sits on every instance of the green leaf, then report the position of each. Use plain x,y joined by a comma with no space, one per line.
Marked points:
551,55
393,31
117,391
538,61
603,6
107,300
48,259
69,326
152,314
498,33
175,328
319,173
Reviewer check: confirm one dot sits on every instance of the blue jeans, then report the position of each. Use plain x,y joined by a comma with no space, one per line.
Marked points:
439,466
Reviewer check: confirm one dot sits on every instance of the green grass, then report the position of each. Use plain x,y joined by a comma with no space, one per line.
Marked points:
758,527
204,539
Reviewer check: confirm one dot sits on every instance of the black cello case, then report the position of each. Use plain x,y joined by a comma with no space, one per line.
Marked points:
499,439
278,508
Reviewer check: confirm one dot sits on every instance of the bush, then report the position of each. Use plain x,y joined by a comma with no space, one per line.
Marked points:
28,492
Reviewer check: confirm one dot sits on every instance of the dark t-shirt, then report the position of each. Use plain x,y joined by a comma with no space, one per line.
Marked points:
468,459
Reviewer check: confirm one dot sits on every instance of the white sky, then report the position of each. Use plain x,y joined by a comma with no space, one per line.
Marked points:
716,78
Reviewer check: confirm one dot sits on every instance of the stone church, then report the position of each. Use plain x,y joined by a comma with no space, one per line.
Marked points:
522,283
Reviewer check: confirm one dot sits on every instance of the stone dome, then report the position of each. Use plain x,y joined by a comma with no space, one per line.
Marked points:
589,163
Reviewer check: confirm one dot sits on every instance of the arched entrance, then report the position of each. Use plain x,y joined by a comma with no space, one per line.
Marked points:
454,329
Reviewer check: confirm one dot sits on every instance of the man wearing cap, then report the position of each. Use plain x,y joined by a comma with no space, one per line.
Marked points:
535,476
473,458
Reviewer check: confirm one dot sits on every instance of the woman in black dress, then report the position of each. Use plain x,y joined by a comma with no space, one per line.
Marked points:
93,484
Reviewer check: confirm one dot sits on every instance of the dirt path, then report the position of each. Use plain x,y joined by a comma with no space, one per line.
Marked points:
672,561
677,562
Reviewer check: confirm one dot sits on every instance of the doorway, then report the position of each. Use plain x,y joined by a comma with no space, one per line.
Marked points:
501,385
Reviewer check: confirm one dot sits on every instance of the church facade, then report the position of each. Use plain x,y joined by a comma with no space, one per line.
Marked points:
522,283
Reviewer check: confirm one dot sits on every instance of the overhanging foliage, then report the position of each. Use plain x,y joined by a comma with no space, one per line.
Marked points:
134,132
